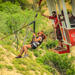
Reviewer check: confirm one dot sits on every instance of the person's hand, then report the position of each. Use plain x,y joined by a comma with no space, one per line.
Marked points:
34,35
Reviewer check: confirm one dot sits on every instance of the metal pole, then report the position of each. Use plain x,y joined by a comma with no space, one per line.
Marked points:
65,14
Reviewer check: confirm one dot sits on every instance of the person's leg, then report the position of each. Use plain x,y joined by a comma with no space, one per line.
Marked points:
25,48
21,52
59,37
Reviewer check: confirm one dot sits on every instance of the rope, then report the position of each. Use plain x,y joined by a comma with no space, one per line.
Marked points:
17,30
13,32
25,38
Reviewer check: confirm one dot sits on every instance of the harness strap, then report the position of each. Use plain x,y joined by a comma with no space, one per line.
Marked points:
36,44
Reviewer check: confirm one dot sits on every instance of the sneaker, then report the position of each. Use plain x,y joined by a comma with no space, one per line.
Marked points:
25,55
57,48
18,56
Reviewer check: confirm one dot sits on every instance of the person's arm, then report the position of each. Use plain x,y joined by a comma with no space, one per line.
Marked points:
35,39
49,17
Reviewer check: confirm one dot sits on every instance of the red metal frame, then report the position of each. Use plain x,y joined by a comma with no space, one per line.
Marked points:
63,51
70,38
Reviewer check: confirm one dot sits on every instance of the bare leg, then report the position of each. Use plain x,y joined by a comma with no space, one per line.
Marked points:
25,48
21,52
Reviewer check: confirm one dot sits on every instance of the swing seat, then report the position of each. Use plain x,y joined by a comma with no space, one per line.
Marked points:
62,51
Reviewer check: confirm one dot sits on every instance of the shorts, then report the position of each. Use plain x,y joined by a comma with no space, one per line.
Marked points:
59,35
32,46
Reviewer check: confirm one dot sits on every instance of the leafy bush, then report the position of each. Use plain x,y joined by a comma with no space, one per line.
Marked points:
9,67
1,66
12,17
10,8
61,62
37,53
51,44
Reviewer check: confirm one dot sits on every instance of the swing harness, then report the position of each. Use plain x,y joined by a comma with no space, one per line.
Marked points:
35,44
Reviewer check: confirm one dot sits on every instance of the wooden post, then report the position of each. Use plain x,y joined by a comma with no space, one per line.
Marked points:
65,14
73,7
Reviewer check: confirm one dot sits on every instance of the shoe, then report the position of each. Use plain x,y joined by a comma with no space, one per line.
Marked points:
18,56
57,48
25,55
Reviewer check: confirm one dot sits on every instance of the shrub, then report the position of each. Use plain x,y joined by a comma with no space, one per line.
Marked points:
51,44
37,53
62,63
1,66
10,8
9,67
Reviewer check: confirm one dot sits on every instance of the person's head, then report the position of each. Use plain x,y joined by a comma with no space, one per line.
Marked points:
41,33
69,14
54,13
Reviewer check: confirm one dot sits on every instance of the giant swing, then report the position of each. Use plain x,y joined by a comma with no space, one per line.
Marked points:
67,29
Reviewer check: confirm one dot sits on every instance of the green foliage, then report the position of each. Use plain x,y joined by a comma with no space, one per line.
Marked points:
43,46
61,62
6,66
50,69
51,44
1,66
25,65
37,53
9,67
8,7
23,3
12,17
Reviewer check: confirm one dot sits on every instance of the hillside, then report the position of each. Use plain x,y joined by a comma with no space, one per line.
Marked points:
9,65
42,60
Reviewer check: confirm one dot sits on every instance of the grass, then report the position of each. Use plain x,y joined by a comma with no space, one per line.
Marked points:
9,67
37,52
1,66
1,59
6,66
19,67
25,65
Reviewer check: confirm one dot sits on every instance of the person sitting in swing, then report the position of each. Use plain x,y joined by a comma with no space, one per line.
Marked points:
36,41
